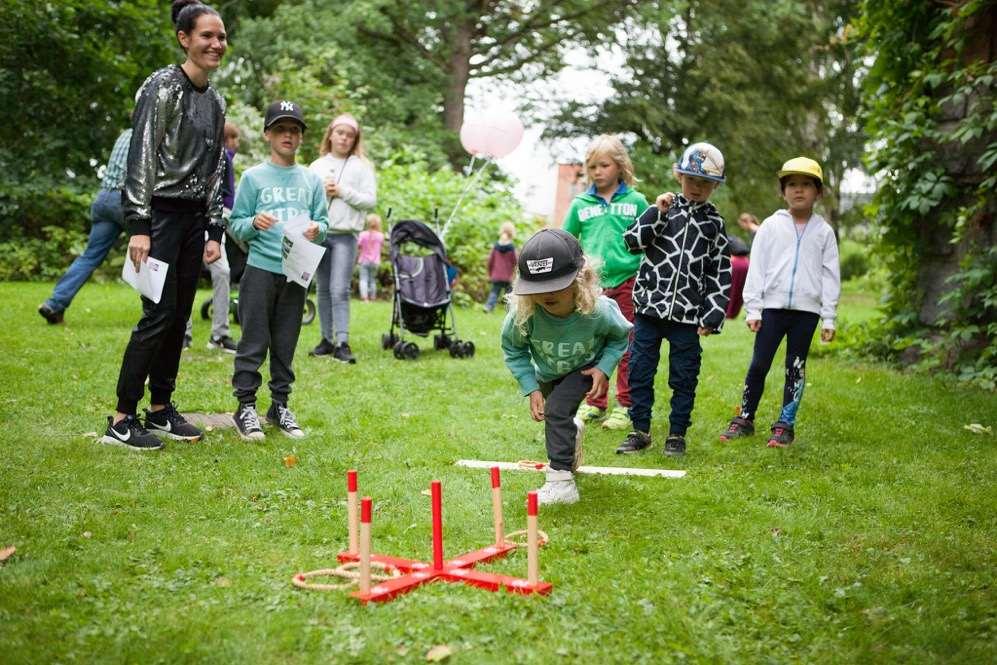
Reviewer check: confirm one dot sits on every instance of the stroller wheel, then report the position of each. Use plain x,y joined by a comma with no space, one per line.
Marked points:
206,310
388,340
411,350
468,349
456,349
309,314
398,348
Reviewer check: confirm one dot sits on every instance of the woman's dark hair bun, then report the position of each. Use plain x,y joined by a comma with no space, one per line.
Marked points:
179,6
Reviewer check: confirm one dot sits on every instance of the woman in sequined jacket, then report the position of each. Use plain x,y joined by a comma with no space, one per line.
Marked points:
172,194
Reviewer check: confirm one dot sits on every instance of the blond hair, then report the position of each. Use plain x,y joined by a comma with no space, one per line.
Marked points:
586,293
374,221
609,145
325,147
507,231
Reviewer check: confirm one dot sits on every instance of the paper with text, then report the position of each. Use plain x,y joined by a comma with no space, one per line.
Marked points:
149,278
300,255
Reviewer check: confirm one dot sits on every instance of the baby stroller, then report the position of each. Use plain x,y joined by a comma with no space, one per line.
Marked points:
422,299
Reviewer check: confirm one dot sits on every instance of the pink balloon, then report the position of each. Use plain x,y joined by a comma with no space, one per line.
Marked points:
472,137
495,134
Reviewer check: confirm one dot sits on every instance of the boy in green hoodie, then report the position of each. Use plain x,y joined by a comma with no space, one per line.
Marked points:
270,305
598,217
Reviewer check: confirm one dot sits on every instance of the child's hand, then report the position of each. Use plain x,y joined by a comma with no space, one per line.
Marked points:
754,325
537,405
331,189
600,383
312,231
664,201
704,332
212,251
263,221
827,335
138,249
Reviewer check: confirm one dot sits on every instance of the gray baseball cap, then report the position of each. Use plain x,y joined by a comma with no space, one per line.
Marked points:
549,261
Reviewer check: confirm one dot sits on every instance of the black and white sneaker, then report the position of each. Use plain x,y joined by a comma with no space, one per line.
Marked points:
129,433
281,417
224,343
323,348
247,423
169,422
635,442
674,445
343,354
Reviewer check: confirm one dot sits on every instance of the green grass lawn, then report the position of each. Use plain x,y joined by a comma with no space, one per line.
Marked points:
870,540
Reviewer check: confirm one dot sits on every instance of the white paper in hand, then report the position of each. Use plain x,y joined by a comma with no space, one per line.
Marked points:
149,279
300,255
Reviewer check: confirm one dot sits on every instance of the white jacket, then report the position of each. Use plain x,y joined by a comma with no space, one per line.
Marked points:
793,270
357,191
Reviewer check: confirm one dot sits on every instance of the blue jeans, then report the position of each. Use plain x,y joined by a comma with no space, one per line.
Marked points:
498,288
106,225
368,280
335,274
684,358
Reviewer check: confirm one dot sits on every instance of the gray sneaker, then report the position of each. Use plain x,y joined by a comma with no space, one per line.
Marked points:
559,488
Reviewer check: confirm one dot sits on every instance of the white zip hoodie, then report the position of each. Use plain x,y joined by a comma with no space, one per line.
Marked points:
357,191
793,269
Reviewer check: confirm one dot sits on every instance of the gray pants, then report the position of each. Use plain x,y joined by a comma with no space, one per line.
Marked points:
221,284
333,279
563,397
270,309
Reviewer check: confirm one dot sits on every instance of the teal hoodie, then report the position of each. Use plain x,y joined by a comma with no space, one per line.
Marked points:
285,192
599,227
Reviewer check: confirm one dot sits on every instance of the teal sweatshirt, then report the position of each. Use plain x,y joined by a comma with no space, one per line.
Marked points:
554,346
599,227
284,192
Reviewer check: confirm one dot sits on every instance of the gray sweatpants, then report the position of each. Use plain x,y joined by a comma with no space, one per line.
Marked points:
270,309
220,287
563,397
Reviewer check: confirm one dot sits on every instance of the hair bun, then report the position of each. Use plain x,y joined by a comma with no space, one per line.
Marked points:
179,6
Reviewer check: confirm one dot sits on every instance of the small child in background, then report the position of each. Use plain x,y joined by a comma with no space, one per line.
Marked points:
680,295
738,273
270,305
501,265
793,281
561,340
369,257
749,224
598,217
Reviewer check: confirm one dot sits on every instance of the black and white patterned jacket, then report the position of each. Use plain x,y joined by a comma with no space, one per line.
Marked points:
685,273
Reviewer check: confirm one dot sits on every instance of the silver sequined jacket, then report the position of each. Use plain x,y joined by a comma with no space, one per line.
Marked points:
176,151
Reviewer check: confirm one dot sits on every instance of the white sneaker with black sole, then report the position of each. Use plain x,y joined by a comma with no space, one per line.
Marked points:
283,419
247,423
168,422
130,434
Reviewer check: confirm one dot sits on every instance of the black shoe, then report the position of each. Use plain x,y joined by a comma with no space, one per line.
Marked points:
674,445
343,354
247,422
782,435
49,314
225,343
281,417
324,348
634,443
168,421
739,427
129,433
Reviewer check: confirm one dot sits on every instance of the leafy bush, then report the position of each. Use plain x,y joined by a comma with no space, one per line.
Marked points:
854,260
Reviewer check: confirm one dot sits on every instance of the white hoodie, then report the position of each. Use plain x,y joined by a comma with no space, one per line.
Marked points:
357,191
793,268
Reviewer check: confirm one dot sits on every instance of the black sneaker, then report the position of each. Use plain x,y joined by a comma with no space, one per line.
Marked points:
247,423
343,354
634,443
782,435
674,445
225,343
129,433
168,421
281,417
324,348
49,314
739,427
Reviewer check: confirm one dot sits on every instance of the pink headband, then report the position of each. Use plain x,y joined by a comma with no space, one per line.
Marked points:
347,120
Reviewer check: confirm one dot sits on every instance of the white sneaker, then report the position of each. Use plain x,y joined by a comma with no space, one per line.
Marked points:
559,488
579,434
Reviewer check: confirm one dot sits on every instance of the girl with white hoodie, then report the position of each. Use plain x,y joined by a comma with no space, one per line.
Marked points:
351,190
793,282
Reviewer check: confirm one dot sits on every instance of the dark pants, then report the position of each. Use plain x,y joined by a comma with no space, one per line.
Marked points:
798,329
157,341
563,397
496,292
684,357
624,297
270,309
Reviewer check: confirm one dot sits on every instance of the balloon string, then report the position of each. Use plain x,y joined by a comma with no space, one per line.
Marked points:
467,187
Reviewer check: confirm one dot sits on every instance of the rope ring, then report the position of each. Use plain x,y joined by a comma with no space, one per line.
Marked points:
531,465
542,538
347,571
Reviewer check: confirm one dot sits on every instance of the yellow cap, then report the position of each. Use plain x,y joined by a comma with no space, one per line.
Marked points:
802,166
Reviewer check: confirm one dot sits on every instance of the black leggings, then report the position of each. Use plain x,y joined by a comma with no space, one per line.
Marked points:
798,329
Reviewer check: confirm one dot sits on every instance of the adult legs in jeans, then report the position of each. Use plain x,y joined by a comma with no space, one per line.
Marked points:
563,398
623,296
106,226
154,348
335,273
